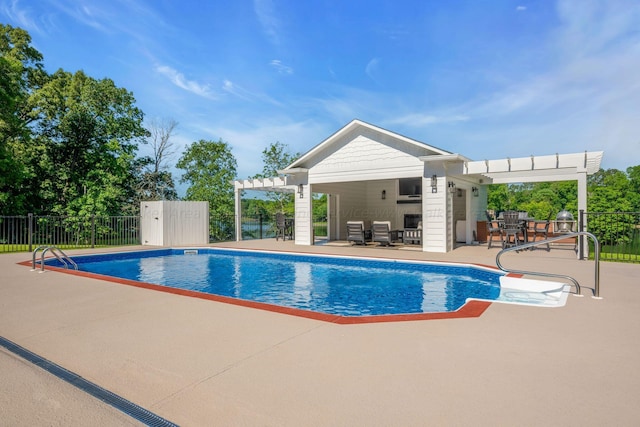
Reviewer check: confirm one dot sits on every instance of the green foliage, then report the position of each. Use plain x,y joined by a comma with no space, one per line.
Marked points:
612,191
634,186
67,141
210,169
320,207
274,158
498,197
608,191
538,199
88,133
253,208
21,71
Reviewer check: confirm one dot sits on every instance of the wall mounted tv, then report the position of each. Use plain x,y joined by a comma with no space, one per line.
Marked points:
409,190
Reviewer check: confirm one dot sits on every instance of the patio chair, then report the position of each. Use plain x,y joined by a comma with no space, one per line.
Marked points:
493,229
382,232
412,235
541,228
356,232
283,227
512,228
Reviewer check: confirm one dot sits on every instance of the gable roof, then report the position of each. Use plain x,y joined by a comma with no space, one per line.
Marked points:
352,126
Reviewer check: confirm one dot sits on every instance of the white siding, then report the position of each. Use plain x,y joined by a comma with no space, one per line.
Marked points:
172,223
304,217
434,219
363,158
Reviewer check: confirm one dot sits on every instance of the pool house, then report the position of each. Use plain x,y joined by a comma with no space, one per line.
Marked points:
372,174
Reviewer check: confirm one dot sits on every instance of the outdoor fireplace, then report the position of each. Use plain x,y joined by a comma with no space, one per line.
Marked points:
412,220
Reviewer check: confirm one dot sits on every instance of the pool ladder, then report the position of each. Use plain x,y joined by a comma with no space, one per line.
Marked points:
596,288
64,259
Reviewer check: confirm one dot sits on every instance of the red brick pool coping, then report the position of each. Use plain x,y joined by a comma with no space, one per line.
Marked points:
470,309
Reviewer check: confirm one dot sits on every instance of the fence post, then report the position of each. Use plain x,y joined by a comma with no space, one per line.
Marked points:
581,237
93,231
260,221
30,237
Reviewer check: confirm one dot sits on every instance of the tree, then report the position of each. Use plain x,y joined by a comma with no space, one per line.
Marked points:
634,182
88,133
538,199
210,169
275,158
611,191
156,181
21,72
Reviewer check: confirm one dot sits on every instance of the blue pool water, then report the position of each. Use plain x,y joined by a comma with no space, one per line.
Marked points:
342,286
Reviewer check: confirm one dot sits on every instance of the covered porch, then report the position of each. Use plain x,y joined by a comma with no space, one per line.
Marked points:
371,174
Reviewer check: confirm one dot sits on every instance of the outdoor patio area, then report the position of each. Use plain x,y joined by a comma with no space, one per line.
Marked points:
197,362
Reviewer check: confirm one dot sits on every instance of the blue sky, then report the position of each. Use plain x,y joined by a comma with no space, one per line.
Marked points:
486,79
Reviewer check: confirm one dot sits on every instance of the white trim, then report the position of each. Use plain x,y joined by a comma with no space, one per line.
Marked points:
445,158
354,124
276,183
536,168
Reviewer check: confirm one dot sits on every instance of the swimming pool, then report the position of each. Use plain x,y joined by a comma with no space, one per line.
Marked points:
341,286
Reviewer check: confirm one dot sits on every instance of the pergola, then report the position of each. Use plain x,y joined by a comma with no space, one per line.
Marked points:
557,167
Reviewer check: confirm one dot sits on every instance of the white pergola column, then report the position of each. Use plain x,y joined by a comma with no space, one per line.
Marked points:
304,215
238,213
582,205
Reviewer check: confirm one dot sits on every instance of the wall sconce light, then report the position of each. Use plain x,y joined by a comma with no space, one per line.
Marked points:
475,191
384,194
301,191
434,183
452,187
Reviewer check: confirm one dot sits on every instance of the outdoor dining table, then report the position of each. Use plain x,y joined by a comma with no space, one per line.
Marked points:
524,226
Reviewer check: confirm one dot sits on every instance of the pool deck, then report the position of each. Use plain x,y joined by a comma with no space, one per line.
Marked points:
198,362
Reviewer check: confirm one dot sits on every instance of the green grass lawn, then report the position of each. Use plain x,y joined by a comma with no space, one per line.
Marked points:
25,248
5,248
616,256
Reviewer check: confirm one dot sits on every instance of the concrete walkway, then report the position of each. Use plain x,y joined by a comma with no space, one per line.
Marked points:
199,363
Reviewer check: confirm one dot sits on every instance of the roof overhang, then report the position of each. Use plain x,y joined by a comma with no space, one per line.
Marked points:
450,158
293,171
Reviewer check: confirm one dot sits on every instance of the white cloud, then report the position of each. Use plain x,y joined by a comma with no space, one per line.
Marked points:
265,11
229,87
422,120
371,68
243,93
280,67
248,141
15,11
179,80
521,8
88,15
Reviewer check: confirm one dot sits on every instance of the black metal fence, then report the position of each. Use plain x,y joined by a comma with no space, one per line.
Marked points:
618,234
222,228
25,233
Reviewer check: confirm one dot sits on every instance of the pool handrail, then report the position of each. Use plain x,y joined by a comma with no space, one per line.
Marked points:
64,259
596,288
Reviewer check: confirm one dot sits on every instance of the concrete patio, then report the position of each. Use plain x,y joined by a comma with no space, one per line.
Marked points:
198,362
